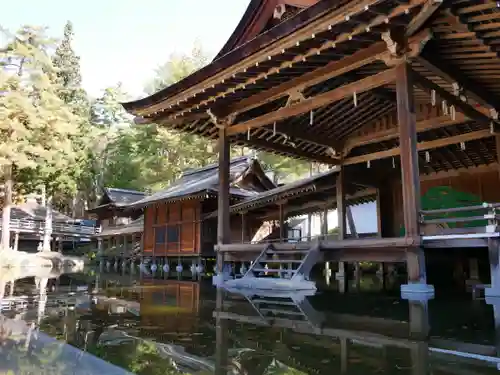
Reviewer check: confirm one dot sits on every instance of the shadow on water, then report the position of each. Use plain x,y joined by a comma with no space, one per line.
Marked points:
95,322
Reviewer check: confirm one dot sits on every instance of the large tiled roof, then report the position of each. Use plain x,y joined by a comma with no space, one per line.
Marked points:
204,181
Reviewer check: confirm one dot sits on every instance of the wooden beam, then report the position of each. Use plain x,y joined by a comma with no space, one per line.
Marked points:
408,147
384,135
422,146
365,84
428,9
451,99
330,70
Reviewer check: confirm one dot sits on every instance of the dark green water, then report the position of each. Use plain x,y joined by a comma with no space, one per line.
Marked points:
188,327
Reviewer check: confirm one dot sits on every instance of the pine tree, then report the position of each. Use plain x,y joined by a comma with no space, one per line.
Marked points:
68,81
35,124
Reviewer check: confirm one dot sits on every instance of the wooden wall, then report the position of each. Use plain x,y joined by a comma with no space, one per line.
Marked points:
481,182
172,228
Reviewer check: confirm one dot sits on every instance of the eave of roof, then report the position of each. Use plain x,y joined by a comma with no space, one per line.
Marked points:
247,49
281,192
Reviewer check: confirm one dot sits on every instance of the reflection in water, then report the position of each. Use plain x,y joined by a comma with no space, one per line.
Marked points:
183,327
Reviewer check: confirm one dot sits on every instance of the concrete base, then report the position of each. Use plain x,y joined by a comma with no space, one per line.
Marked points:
417,291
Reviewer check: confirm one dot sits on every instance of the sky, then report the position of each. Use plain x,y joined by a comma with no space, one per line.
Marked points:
124,41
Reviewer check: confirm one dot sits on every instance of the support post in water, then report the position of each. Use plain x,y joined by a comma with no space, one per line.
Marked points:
223,224
410,180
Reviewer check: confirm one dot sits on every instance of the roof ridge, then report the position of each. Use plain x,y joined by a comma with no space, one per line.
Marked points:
125,190
189,172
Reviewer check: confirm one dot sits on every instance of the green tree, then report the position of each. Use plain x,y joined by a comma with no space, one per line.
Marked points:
35,123
69,89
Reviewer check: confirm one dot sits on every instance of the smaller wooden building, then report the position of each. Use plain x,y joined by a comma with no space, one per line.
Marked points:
120,230
110,209
176,221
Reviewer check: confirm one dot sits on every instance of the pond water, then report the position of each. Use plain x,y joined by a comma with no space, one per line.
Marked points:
107,323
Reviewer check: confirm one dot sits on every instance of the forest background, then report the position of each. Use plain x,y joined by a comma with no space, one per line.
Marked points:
60,142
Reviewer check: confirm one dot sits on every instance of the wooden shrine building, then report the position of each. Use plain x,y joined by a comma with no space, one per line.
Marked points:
110,209
174,218
401,93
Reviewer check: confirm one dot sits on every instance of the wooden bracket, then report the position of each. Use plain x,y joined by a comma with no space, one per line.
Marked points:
404,50
279,11
294,97
221,123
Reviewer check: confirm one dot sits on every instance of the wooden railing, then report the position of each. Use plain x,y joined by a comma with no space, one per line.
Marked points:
38,226
483,218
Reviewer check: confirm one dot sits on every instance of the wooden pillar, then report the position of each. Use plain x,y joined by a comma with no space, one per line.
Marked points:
497,142
408,144
125,246
351,223
379,215
244,228
99,247
344,355
282,219
223,224
410,179
324,230
494,257
341,213
221,337
16,241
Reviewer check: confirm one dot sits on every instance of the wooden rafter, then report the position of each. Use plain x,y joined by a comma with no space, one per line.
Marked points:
427,11
385,135
471,89
421,146
478,30
331,70
317,101
451,99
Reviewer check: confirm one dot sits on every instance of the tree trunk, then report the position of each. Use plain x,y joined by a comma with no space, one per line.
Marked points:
47,233
7,204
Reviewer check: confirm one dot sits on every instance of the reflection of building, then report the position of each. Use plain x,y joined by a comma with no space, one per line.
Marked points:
328,342
170,304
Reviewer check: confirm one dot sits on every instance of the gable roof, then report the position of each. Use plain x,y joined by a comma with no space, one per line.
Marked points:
204,181
34,211
255,19
306,195
122,197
